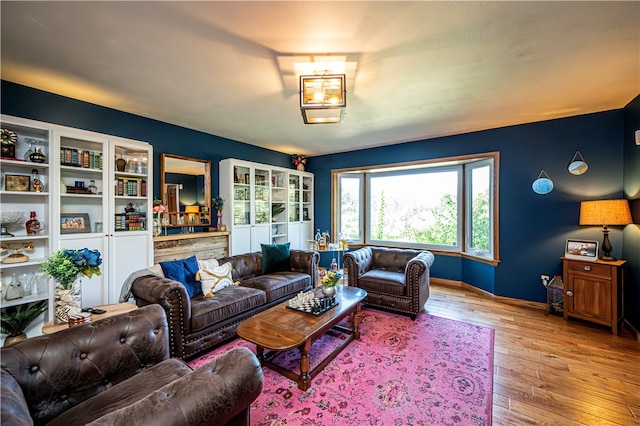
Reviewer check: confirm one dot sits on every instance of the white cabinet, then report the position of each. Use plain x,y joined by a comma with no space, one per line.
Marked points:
104,202
265,204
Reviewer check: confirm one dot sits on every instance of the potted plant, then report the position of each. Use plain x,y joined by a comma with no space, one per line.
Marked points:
14,320
217,203
66,267
276,209
329,282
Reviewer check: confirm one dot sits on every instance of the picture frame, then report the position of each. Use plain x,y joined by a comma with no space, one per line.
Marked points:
20,183
581,250
74,223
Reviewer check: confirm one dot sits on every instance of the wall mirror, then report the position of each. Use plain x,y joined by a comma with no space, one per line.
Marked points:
186,191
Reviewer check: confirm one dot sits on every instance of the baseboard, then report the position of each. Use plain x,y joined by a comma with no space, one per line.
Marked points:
468,287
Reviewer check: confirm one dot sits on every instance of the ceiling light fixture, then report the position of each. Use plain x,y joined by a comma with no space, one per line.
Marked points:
323,98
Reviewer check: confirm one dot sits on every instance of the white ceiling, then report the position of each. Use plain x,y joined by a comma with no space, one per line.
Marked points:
422,69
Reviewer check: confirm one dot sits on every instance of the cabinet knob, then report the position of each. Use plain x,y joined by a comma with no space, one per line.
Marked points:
587,267
569,293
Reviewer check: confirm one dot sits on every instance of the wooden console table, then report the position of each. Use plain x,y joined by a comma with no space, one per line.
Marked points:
204,245
114,309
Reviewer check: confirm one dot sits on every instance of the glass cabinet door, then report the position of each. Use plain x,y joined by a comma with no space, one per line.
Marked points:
241,196
261,191
294,198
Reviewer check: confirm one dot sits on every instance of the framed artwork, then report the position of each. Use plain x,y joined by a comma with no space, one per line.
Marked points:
581,250
17,183
74,223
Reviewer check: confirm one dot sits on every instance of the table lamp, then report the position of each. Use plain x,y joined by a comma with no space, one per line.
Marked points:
605,213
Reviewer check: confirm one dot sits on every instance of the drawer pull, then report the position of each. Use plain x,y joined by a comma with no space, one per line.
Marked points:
587,267
569,293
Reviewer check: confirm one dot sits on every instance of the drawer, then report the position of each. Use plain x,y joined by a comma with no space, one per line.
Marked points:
590,268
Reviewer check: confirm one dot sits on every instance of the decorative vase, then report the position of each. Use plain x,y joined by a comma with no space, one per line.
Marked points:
219,225
37,156
300,167
68,302
157,225
329,291
12,340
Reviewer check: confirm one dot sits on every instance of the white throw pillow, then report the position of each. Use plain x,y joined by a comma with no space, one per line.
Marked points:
215,279
208,263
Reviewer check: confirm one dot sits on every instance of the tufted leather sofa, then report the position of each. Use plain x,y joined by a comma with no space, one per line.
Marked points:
395,279
199,323
117,371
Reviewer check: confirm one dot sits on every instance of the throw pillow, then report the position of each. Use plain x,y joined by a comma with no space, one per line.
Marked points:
275,258
215,279
184,271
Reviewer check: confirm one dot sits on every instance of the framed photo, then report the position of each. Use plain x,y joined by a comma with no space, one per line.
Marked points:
74,223
581,250
17,183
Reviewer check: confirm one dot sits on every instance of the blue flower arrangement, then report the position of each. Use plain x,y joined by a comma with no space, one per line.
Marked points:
65,265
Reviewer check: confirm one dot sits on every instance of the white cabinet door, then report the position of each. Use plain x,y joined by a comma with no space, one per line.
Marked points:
128,252
240,241
295,234
260,234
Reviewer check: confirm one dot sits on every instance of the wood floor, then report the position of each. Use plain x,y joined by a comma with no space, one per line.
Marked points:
546,370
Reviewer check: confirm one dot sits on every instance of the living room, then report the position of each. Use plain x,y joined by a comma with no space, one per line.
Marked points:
533,228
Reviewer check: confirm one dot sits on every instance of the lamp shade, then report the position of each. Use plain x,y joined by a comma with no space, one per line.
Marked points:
322,98
605,212
192,209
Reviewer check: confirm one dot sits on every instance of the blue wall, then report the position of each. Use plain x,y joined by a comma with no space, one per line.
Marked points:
631,236
533,228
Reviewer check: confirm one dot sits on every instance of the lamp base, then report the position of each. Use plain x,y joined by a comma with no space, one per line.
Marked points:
608,258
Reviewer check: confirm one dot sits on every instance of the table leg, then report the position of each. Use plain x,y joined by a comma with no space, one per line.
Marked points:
260,353
356,322
304,381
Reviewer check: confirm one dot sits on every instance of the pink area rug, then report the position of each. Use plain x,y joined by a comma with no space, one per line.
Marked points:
432,371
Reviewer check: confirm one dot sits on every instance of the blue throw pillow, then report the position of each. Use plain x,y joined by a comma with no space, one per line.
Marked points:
184,271
275,258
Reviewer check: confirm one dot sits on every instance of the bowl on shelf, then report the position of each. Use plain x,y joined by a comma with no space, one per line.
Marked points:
7,219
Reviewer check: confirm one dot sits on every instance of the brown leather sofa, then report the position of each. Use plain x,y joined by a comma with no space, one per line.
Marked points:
199,323
117,371
395,279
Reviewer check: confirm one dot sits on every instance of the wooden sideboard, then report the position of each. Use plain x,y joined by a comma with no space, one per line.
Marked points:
204,245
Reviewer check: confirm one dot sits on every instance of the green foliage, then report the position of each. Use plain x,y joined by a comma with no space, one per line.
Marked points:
480,222
65,266
217,203
14,320
276,209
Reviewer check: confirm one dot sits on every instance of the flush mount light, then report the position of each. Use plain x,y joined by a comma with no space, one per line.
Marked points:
322,98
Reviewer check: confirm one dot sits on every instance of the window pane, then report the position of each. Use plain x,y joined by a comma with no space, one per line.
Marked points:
350,217
480,235
415,207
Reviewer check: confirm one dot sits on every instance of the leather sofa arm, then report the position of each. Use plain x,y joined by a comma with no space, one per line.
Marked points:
173,297
216,393
417,271
357,263
306,261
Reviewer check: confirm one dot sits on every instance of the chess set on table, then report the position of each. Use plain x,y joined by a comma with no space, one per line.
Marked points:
309,303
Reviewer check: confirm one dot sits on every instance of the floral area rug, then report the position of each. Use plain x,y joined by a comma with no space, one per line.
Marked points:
431,371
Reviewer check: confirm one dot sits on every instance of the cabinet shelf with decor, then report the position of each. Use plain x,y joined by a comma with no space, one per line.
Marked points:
25,192
262,206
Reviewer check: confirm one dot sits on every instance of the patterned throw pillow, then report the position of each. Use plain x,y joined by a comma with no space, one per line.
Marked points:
215,279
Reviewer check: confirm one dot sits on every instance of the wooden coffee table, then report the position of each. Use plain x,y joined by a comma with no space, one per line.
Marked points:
280,329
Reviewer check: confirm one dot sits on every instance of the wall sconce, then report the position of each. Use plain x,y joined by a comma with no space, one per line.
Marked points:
323,98
604,213
577,165
543,184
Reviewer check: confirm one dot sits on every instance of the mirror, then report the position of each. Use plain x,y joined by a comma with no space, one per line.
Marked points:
186,191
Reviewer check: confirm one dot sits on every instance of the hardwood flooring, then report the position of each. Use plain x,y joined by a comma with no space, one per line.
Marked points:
546,370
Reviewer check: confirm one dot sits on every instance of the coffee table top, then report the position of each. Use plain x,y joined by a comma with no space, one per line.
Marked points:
281,328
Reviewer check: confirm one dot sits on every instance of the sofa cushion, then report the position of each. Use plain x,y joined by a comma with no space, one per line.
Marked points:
228,302
279,284
275,258
381,281
124,393
183,271
215,279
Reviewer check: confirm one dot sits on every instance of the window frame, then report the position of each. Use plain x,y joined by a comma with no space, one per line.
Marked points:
478,160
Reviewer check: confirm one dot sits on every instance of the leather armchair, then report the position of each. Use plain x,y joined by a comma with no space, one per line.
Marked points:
117,371
395,279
